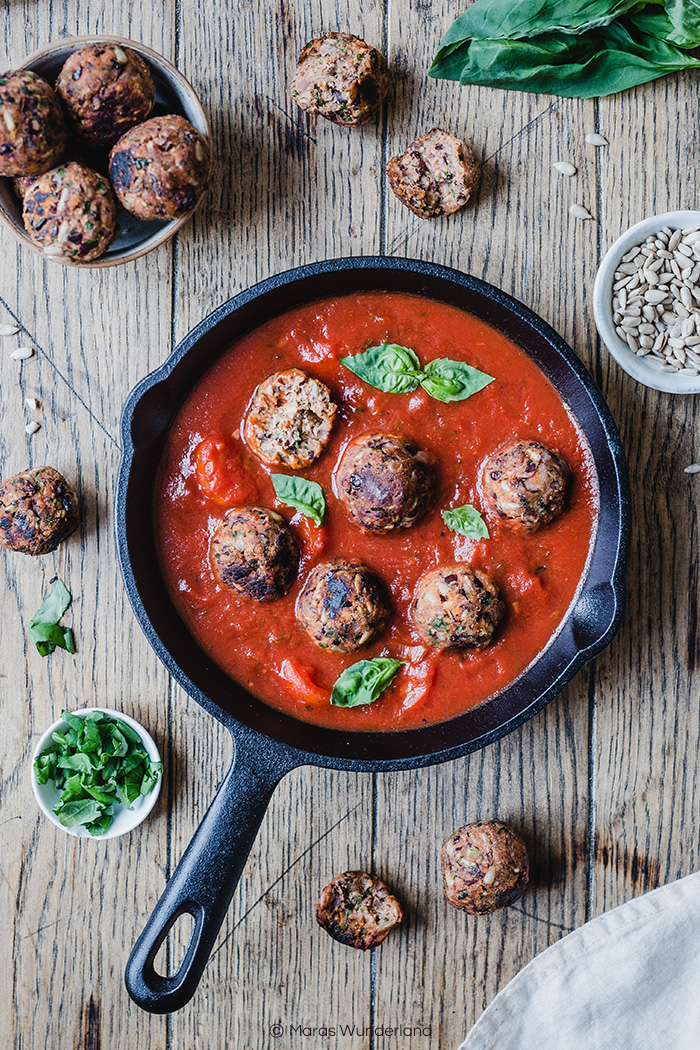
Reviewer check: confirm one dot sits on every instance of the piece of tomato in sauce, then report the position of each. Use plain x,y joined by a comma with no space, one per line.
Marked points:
221,472
313,537
300,680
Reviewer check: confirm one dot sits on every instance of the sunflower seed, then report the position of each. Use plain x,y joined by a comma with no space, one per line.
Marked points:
22,353
655,295
694,468
579,212
596,140
8,329
31,428
565,167
32,403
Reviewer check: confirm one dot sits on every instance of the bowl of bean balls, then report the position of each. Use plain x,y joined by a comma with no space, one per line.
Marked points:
104,151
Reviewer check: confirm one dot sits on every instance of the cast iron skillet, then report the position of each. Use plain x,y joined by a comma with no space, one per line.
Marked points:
267,743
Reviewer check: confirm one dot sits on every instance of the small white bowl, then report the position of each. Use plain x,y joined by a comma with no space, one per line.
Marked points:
638,367
47,795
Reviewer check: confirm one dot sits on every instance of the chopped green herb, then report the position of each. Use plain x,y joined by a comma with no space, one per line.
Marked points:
97,763
44,627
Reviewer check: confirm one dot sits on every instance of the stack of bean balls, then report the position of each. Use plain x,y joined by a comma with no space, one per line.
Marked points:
52,142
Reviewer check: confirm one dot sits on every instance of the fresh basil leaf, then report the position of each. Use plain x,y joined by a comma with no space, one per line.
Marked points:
44,628
598,62
388,367
101,825
79,762
305,496
684,16
79,812
453,380
364,682
466,521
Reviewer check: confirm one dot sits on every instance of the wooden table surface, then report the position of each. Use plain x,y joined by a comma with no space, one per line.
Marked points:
603,782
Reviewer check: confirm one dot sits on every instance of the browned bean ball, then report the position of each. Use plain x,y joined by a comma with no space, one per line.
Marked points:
526,485
455,607
38,510
385,481
70,213
255,553
358,909
485,866
342,78
159,169
106,89
342,606
32,126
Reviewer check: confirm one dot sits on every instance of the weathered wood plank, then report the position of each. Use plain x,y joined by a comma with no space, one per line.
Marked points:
648,724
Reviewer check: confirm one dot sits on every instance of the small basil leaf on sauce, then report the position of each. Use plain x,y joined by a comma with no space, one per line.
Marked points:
448,380
44,628
305,496
466,521
364,682
389,367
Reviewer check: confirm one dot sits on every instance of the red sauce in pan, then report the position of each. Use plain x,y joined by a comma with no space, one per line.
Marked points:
262,646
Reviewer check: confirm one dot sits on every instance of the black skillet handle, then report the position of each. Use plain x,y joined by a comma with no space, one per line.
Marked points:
206,877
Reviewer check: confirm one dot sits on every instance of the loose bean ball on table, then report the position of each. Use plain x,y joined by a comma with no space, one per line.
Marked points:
358,909
159,169
342,78
32,126
342,606
255,553
435,176
70,212
526,485
289,419
106,89
38,510
385,481
485,866
455,607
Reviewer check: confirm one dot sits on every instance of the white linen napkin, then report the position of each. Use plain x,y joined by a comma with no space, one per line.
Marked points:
627,980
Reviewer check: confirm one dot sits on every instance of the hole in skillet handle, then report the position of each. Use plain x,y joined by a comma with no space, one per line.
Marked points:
172,984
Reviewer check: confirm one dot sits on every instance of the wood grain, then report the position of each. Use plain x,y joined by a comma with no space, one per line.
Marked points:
614,756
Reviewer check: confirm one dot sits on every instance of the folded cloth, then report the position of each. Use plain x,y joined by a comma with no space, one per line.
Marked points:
627,980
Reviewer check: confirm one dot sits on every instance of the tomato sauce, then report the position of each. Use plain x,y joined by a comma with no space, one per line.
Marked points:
206,466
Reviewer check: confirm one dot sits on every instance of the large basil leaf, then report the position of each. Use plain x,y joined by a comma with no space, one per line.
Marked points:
453,380
364,682
467,521
388,367
684,16
305,496
597,63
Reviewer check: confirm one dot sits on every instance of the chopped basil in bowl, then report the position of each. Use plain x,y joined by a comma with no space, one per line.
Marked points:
96,773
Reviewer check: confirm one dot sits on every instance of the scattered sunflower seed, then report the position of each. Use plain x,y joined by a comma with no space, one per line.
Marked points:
565,167
22,353
694,468
579,212
8,329
596,140
32,403
31,428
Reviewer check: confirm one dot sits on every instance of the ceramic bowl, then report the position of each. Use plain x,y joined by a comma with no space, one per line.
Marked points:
125,820
174,94
638,367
